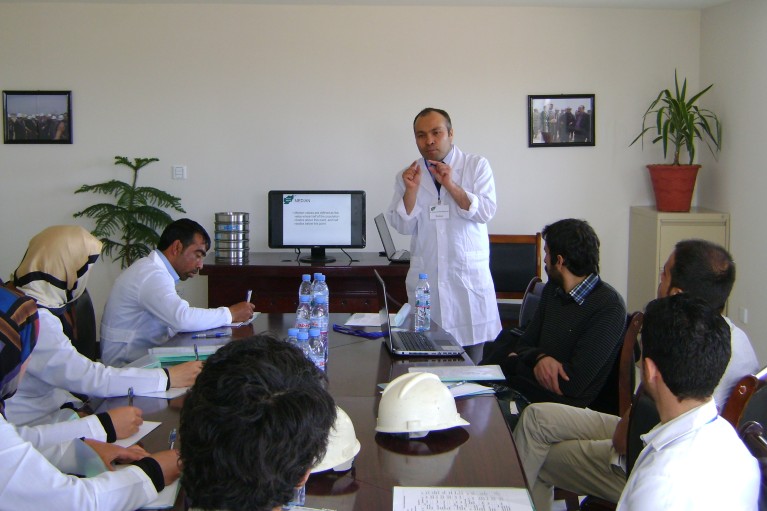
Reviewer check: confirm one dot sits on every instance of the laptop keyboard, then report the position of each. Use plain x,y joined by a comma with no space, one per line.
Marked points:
413,341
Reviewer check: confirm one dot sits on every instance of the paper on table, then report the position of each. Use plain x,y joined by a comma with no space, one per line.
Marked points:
143,431
165,394
243,323
166,498
471,389
460,373
364,319
487,499
177,354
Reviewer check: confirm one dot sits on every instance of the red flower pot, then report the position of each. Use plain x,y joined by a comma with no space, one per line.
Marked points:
673,186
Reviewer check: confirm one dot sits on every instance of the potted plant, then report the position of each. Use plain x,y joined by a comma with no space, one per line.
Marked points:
135,218
678,123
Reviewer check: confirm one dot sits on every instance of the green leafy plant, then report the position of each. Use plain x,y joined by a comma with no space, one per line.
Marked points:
135,219
679,122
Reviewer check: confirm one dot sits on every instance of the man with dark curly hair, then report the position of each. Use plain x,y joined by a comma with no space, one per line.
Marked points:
256,421
569,348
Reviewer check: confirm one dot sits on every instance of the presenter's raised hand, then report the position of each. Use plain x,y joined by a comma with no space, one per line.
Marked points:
184,375
412,176
126,420
242,311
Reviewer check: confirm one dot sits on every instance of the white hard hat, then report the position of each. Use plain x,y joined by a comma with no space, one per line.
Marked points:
417,403
343,445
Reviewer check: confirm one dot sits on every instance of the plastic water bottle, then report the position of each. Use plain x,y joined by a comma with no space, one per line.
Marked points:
314,285
298,498
422,304
303,343
319,320
321,289
316,349
292,337
306,286
304,313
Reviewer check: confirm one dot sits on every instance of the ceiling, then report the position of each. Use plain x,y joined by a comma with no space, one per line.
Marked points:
633,4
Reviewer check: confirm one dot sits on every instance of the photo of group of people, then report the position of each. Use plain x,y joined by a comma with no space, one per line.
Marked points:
563,120
37,117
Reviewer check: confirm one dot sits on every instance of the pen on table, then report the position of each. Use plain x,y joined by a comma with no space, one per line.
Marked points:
250,293
210,336
456,384
196,353
172,439
130,396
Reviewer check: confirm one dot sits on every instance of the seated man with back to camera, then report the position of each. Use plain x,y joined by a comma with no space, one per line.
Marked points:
570,346
261,411
584,450
693,459
144,309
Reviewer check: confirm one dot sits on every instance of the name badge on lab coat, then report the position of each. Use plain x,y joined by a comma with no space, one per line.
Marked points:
439,212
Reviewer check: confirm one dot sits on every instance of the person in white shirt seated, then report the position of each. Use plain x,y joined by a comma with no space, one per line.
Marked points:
30,481
144,308
54,272
694,458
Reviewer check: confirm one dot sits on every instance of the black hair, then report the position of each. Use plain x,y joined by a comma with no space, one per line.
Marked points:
689,342
256,420
703,269
428,110
183,230
576,242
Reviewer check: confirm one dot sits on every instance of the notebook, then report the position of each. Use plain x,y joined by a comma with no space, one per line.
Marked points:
392,254
420,344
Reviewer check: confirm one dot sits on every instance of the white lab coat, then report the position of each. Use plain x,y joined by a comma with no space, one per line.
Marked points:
55,369
29,481
144,310
454,252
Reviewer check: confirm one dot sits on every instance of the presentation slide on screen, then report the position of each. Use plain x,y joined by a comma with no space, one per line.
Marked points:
316,219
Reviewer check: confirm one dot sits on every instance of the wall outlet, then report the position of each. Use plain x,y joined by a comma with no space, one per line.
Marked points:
743,314
178,171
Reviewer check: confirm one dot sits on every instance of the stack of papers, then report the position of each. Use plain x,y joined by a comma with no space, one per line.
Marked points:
169,355
470,389
462,373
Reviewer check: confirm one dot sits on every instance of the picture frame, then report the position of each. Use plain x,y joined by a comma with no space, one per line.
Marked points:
37,117
560,120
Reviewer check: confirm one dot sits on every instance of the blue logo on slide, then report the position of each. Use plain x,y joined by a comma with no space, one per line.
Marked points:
287,199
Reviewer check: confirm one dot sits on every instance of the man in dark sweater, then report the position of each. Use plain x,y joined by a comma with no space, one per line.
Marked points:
570,345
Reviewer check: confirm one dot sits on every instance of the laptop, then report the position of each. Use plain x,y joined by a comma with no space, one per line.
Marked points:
393,255
434,343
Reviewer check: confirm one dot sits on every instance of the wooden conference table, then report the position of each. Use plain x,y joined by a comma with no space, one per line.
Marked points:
479,455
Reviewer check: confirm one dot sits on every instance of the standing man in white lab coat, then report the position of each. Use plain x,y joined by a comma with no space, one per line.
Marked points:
444,200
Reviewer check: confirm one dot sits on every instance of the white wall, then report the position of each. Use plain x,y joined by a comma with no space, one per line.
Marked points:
733,50
253,98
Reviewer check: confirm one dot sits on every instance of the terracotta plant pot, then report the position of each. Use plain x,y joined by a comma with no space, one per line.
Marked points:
673,186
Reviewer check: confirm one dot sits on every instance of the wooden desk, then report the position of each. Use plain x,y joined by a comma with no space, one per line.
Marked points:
274,278
481,454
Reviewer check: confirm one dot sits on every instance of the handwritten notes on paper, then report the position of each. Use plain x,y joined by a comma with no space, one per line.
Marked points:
459,499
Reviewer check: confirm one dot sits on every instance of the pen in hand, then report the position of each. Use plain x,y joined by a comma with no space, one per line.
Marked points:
196,353
249,295
210,336
130,396
172,439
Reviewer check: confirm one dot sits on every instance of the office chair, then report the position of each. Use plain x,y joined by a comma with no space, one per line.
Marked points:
514,260
752,434
81,327
748,400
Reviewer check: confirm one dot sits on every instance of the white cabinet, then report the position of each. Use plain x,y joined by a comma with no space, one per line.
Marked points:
652,237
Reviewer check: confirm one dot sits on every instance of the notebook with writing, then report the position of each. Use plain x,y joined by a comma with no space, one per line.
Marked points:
434,343
392,254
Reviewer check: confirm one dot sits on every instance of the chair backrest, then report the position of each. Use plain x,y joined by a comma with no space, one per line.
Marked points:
514,260
643,417
747,400
530,301
82,326
752,434
618,390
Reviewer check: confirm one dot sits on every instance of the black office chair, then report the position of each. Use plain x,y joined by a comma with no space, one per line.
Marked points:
514,260
752,434
80,326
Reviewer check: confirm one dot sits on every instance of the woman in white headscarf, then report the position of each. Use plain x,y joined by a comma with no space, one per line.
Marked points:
54,272
27,479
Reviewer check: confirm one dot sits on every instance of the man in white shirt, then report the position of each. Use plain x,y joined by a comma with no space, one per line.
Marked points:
582,450
144,309
445,200
693,459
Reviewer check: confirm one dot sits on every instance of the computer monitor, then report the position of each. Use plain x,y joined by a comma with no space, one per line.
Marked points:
317,220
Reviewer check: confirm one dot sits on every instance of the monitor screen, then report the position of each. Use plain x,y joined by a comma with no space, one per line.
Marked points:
317,220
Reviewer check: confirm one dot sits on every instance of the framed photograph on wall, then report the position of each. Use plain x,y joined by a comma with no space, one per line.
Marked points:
560,120
37,117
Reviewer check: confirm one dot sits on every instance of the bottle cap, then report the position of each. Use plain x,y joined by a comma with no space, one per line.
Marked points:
306,277
314,332
303,335
423,276
292,332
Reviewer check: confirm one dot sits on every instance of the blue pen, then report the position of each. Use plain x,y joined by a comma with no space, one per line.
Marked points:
196,353
130,396
172,439
210,336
